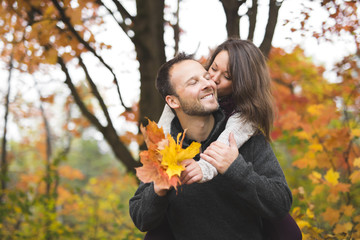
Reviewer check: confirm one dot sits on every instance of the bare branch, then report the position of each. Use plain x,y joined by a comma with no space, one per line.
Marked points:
85,111
252,14
270,27
122,24
4,164
95,91
67,22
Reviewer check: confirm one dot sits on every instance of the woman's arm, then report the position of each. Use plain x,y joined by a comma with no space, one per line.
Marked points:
242,132
241,129
165,120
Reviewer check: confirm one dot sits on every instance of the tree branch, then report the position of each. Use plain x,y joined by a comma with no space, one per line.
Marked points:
4,164
77,97
265,46
252,14
67,22
95,91
124,27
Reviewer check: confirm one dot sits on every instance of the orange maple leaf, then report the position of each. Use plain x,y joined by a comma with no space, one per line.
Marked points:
162,162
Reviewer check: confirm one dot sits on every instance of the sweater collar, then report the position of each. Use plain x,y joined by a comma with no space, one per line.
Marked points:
219,126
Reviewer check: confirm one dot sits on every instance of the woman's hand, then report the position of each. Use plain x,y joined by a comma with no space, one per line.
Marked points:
220,155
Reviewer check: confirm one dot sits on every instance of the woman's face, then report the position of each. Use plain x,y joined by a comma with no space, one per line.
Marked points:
220,75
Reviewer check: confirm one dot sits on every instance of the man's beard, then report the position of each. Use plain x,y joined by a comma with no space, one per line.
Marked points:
196,109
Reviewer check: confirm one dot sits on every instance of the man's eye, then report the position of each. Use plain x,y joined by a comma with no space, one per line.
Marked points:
192,82
207,76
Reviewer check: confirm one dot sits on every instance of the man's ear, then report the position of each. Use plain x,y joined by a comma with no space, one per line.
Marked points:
172,101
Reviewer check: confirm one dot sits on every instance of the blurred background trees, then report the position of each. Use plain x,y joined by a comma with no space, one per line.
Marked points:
66,90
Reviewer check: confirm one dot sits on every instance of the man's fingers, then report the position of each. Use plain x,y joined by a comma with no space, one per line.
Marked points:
187,162
209,159
194,179
188,174
213,153
232,140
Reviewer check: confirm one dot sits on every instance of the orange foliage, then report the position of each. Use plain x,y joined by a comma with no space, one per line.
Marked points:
318,122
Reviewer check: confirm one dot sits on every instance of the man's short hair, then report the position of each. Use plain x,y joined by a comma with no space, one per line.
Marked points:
163,84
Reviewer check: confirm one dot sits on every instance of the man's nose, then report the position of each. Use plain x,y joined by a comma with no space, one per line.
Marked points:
208,83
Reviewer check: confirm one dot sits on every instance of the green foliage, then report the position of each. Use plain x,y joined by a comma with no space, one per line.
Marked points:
68,203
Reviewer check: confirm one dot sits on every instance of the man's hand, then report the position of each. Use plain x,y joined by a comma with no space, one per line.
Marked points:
192,172
220,155
160,191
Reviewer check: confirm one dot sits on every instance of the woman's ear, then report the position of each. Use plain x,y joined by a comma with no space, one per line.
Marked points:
172,101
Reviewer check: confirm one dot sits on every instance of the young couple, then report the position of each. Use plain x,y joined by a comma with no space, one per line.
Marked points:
235,189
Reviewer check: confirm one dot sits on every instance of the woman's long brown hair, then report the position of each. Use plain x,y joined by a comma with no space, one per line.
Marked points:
251,83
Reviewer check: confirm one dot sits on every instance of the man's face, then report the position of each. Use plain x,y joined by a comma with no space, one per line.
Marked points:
196,93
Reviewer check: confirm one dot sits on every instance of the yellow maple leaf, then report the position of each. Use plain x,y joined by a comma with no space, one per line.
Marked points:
174,154
332,177
162,162
348,210
316,147
343,228
355,176
357,162
315,177
355,132
331,215
315,110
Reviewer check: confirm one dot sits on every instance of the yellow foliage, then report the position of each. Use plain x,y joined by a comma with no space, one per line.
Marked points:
315,110
348,210
315,177
343,228
316,147
357,162
331,215
317,190
332,177
174,154
355,132
355,176
302,135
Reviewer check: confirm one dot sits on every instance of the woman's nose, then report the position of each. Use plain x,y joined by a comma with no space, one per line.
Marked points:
215,78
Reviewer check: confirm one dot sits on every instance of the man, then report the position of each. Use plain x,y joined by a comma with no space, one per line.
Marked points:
251,185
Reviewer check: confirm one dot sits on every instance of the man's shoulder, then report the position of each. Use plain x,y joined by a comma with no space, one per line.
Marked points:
258,140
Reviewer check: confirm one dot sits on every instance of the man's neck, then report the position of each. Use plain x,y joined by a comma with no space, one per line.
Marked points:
198,127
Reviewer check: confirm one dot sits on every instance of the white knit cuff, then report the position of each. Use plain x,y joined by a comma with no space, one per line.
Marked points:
208,170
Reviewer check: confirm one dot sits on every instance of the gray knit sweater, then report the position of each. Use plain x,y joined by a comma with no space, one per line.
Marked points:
230,206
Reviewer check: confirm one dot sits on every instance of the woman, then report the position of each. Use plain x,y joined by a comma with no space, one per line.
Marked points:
240,72
243,83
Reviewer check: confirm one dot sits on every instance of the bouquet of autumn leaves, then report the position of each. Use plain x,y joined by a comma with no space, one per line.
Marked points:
162,162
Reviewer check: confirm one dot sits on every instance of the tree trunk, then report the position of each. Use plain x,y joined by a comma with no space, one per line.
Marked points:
150,48
265,46
4,164
231,8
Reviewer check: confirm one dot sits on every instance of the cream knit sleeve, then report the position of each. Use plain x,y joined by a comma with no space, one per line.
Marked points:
165,119
242,132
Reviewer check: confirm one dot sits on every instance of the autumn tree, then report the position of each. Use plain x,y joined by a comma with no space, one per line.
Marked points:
318,126
61,33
